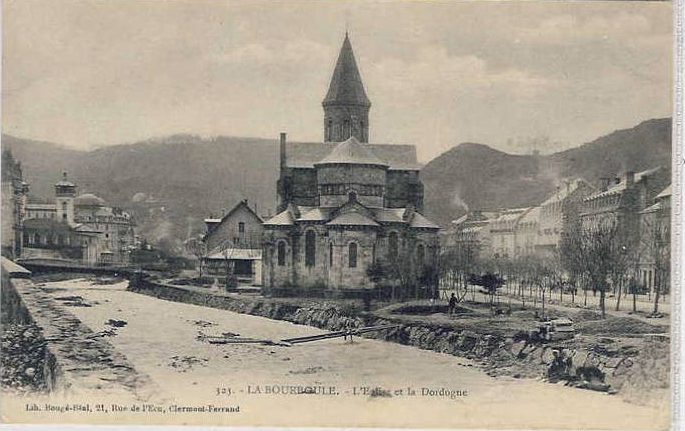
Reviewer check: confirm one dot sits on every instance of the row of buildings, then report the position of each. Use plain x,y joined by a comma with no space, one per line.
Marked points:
76,228
634,200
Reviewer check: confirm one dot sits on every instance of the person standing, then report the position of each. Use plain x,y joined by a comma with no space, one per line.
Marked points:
452,304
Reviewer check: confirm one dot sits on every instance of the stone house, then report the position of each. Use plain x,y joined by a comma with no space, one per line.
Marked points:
623,200
81,228
503,230
558,211
345,204
471,229
14,190
234,243
655,233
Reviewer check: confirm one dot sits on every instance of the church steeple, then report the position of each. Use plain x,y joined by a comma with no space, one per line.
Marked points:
346,106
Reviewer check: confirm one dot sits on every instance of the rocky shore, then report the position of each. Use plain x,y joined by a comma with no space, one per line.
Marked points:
23,358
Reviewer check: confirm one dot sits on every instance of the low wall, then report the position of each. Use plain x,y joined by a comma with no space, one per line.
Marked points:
514,356
76,361
33,364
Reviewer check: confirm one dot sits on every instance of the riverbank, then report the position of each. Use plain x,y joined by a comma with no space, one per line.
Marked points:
618,354
163,340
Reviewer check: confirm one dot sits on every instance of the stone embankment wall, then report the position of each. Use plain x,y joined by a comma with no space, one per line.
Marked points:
26,363
498,355
75,361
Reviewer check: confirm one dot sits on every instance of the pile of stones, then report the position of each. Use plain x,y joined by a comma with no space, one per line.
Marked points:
22,357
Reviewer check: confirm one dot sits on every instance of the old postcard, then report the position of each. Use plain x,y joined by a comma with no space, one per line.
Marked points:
396,214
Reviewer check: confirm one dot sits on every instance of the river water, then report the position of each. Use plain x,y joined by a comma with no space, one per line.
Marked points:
324,383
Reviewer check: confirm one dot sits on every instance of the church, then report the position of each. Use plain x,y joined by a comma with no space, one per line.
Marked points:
345,204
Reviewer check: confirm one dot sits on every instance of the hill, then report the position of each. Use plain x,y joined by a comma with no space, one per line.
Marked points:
475,176
170,184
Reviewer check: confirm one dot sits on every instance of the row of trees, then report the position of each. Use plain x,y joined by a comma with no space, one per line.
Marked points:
405,276
601,257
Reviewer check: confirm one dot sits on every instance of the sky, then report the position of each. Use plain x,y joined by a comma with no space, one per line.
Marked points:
515,76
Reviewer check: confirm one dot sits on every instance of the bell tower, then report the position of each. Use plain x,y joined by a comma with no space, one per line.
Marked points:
65,192
346,106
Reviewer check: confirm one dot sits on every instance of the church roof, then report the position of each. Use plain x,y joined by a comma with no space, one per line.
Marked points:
378,215
389,214
283,218
346,84
351,152
419,221
306,154
352,219
316,214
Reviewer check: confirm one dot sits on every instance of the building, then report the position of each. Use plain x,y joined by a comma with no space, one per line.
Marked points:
623,200
234,243
557,212
503,233
14,191
344,204
655,242
472,230
81,228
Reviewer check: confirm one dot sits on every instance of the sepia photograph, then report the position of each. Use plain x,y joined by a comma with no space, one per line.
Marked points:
347,214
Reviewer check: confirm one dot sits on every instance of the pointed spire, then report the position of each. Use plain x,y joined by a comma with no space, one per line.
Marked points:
346,84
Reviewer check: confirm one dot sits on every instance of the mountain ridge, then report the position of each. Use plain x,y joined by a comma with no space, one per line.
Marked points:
182,178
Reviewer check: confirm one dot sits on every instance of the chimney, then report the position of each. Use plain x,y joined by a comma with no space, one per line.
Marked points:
629,178
283,159
605,183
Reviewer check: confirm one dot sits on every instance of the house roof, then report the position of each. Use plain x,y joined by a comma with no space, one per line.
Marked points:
351,152
511,214
44,207
46,224
88,199
64,182
653,208
620,187
664,193
563,192
242,204
532,215
346,83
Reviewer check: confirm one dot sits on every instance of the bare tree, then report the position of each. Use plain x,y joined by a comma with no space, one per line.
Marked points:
459,262
655,237
198,248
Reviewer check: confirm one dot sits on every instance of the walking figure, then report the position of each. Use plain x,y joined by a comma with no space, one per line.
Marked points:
452,304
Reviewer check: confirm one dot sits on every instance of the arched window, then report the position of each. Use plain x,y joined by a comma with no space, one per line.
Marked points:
392,245
310,248
329,130
352,254
346,130
330,254
281,253
361,131
421,254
